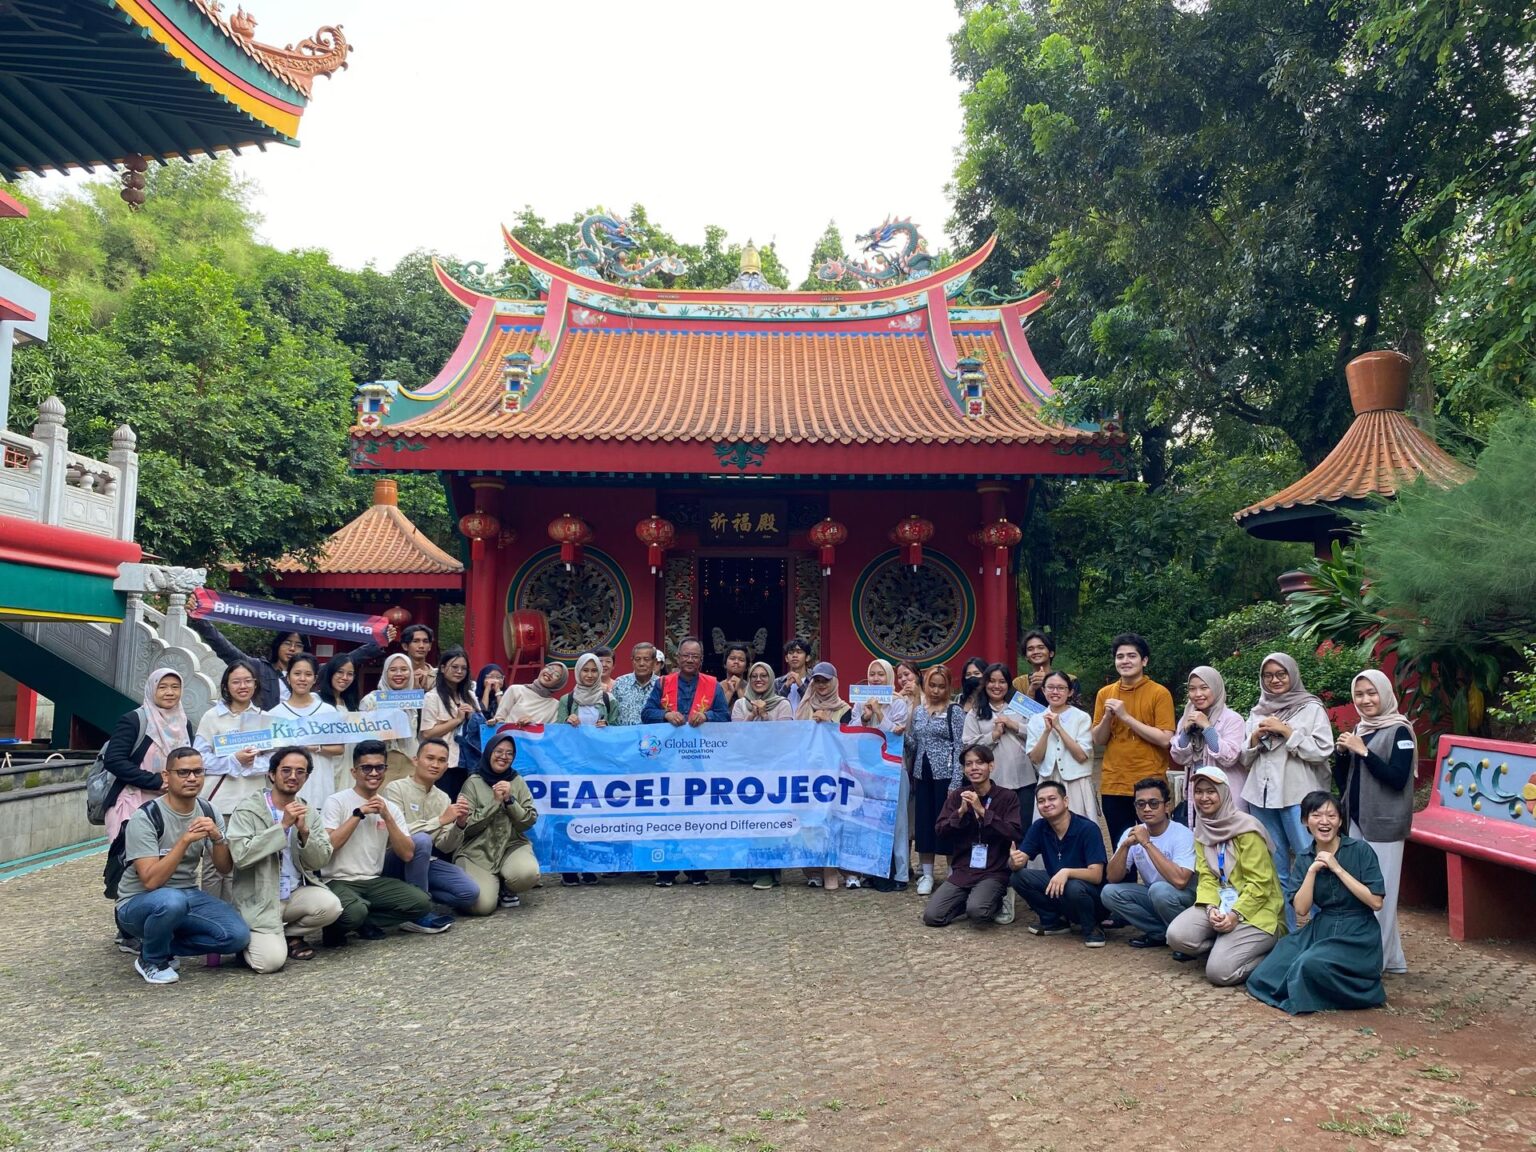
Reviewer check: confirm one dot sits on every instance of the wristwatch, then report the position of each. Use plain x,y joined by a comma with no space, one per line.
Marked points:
359,813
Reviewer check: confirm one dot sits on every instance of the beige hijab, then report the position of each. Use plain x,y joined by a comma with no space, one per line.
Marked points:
820,699
1227,824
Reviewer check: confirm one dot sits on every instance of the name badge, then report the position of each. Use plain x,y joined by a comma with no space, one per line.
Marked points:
1228,898
978,855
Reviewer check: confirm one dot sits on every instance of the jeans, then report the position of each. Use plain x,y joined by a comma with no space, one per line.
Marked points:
1078,902
181,922
1291,839
446,883
1150,907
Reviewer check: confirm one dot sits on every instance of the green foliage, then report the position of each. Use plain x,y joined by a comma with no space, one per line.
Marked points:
1168,605
1518,703
1237,643
829,247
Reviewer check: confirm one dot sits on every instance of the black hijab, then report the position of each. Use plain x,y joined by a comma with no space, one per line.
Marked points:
485,771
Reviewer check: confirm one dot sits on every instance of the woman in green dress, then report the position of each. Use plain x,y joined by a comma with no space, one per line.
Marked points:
1335,961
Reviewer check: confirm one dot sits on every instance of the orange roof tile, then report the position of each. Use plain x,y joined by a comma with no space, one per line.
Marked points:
797,387
381,540
1382,452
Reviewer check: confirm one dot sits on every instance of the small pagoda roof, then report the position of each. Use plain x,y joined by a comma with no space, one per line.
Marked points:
93,82
864,382
1382,452
381,548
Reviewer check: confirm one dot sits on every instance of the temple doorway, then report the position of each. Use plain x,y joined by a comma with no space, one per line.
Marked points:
742,598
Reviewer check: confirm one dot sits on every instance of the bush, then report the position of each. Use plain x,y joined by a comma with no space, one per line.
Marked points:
1327,673
1246,629
1168,607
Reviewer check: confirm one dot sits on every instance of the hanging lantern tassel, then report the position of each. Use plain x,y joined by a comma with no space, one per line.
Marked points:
1000,536
912,533
974,540
657,536
827,535
570,532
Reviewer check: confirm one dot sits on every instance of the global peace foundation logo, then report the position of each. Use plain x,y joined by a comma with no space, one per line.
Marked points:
650,747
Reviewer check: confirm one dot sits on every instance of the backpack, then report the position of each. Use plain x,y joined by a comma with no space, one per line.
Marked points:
113,871
100,784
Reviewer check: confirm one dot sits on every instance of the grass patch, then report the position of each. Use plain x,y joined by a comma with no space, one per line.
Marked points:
1403,1053
1439,1072
1391,1124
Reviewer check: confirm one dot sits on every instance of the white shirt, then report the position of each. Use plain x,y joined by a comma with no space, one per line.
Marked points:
1176,842
362,856
1059,763
228,781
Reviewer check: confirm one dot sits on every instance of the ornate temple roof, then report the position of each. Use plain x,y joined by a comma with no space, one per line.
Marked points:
380,542
96,82
895,379
1382,452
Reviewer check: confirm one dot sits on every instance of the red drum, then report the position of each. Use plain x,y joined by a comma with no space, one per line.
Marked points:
527,637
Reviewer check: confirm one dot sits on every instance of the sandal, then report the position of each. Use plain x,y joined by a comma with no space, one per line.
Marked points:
298,949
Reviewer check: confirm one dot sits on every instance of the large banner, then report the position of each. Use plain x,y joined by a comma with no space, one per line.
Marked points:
227,608
648,798
343,728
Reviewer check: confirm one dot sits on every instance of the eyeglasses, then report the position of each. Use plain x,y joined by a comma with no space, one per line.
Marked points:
1141,804
292,769
247,682
370,769
186,773
1272,677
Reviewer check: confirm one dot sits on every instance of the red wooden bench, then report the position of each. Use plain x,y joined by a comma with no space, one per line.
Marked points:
1482,816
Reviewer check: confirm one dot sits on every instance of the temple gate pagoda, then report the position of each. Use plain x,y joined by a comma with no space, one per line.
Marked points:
746,464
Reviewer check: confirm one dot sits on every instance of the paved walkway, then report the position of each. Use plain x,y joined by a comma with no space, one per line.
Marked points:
627,1017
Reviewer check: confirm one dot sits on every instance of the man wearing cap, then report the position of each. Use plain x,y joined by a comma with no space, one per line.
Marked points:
689,697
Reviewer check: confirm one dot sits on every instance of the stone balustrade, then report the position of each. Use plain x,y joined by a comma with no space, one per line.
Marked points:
43,481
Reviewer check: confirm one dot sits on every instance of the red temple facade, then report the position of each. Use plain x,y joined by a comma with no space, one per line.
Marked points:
744,464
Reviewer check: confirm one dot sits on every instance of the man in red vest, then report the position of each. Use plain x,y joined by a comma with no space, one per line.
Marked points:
685,697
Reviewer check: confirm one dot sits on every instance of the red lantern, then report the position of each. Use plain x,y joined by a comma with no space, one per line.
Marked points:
827,535
1000,536
398,616
570,532
479,525
912,533
657,536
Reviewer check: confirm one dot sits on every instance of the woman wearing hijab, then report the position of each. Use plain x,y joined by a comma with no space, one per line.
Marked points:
496,853
822,704
1210,733
758,700
1236,915
1287,744
587,702
1335,961
893,718
1374,770
536,703
302,703
399,676
488,682
994,727
136,754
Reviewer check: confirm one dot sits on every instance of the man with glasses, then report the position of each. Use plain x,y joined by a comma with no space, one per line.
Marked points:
363,827
1161,854
279,845
159,900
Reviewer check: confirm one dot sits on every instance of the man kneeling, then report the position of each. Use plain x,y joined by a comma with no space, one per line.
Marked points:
1067,891
159,901
363,826
435,824
279,845
982,823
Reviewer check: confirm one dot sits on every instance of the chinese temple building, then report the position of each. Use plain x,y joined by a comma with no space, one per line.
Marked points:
746,464
1382,452
379,564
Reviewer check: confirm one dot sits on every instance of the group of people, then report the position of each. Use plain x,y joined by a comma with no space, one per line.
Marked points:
248,854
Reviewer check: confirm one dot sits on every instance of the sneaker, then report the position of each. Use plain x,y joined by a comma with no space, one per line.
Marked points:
1094,938
510,900
127,944
762,883
429,925
155,973
882,884
589,877
1145,941
1005,914
699,881
570,880
852,882
813,881
925,885
1048,928
664,881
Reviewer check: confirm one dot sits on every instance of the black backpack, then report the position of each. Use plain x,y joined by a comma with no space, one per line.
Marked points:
113,871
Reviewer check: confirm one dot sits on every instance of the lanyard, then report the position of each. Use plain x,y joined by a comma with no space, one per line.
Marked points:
1221,865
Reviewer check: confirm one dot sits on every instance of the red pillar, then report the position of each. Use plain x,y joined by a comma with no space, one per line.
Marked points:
482,614
26,713
994,581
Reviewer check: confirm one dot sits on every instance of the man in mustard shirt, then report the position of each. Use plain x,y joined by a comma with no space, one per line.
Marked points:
1133,722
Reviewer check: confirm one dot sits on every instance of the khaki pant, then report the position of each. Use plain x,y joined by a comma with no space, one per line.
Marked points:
1233,955
310,907
518,873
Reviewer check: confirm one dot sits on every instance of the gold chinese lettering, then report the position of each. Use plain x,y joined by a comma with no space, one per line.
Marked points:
742,522
767,522
717,522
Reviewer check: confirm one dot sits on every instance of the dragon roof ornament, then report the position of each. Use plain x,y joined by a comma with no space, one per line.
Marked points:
296,65
894,251
606,240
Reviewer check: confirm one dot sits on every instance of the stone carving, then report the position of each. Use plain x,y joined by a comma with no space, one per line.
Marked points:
808,601
920,614
677,601
894,250
585,604
159,578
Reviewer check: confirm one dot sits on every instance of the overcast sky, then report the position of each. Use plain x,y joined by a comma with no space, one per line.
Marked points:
768,119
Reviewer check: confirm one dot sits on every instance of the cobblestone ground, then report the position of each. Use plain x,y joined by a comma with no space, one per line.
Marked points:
627,1017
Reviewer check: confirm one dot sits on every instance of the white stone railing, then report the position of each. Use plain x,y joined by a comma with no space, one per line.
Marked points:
43,481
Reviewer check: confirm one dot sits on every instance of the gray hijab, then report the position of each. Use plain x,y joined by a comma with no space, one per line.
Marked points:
1283,705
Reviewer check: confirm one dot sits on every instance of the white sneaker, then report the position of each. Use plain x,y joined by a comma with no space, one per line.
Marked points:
925,885
852,882
155,975
813,881
1006,912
